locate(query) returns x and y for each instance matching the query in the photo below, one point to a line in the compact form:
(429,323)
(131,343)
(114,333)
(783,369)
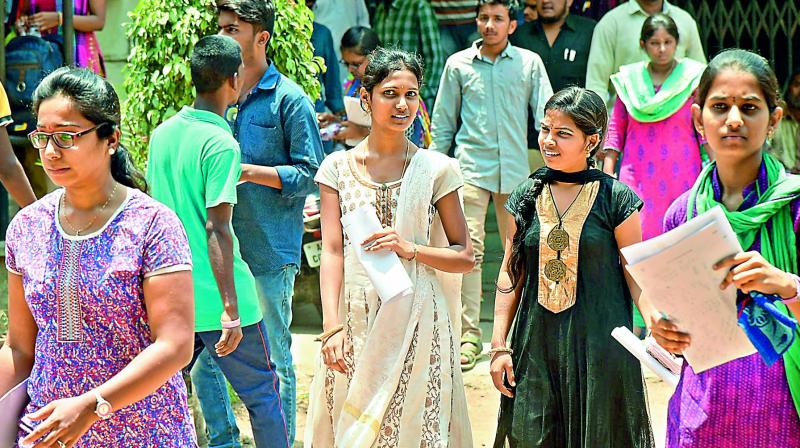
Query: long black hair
(96,100)
(588,111)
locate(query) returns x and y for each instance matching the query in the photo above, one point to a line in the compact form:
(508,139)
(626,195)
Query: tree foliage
(162,34)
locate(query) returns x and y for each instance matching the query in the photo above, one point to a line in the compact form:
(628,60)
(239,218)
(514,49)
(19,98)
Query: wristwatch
(103,408)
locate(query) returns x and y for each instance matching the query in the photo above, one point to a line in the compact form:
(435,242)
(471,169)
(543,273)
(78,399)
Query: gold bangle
(325,335)
(501,350)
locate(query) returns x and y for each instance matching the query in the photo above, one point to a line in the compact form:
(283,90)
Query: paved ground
(483,399)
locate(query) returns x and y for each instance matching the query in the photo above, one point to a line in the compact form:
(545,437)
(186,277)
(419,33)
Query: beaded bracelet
(324,336)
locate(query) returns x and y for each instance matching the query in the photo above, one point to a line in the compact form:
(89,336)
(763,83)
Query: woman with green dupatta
(745,402)
(651,140)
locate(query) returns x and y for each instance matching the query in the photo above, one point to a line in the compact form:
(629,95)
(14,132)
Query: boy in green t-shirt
(194,165)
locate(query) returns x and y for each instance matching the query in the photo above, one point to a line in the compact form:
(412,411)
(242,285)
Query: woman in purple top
(743,403)
(100,286)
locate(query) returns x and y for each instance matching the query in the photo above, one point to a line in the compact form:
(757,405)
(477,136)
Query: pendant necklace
(558,240)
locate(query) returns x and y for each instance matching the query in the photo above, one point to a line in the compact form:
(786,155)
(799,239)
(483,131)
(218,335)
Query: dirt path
(482,398)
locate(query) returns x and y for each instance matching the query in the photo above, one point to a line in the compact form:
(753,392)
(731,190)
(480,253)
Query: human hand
(326,118)
(230,337)
(750,271)
(667,334)
(351,131)
(63,422)
(501,368)
(44,20)
(333,353)
(388,238)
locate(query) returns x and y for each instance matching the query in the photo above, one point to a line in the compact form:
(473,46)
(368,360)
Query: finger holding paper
(389,239)
(750,271)
(668,335)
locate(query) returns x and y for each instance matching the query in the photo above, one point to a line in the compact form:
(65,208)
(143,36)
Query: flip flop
(470,349)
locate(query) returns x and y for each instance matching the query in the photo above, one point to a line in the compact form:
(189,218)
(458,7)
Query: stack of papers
(384,268)
(675,273)
(637,349)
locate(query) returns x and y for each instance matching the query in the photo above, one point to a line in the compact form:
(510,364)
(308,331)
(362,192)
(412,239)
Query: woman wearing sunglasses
(99,285)
(357,44)
(565,381)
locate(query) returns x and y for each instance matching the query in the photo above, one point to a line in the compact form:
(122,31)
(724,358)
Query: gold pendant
(555,270)
(558,239)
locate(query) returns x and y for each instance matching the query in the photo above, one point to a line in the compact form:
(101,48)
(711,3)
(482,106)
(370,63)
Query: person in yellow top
(12,176)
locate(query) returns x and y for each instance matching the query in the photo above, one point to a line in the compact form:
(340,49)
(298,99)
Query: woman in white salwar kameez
(388,373)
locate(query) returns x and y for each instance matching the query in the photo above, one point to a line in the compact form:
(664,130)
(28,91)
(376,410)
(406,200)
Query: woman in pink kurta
(651,132)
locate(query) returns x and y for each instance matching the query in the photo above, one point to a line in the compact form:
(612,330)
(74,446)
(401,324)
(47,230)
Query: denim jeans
(252,376)
(275,291)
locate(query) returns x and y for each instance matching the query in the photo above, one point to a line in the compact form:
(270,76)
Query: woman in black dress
(565,381)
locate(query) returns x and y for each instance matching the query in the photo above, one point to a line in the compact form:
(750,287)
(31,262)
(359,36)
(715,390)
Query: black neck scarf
(548,175)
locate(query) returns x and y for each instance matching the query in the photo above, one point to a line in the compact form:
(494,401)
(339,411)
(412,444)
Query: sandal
(471,350)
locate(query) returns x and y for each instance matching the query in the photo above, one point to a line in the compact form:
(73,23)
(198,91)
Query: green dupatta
(778,245)
(635,89)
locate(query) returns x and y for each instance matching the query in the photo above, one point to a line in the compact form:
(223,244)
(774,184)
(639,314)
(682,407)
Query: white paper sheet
(355,114)
(384,268)
(11,406)
(637,349)
(675,272)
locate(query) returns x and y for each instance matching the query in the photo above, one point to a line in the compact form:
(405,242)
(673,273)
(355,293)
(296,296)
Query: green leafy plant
(162,34)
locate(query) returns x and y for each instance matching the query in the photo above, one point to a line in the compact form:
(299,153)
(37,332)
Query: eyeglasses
(62,139)
(350,64)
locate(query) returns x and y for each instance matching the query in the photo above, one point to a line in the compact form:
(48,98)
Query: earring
(770,133)
(111,151)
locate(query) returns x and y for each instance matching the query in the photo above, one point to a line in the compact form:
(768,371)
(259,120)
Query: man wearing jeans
(276,127)
(194,165)
(489,88)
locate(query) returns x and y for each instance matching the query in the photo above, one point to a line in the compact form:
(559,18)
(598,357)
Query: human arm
(601,62)
(300,130)
(169,301)
(615,142)
(331,275)
(362,14)
(541,92)
(694,47)
(94,21)
(446,110)
(12,175)
(351,131)
(334,96)
(457,257)
(18,352)
(506,302)
(626,234)
(220,255)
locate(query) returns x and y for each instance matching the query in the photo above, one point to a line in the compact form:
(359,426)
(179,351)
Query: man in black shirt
(562,41)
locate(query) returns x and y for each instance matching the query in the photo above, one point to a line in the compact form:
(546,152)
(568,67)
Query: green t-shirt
(194,164)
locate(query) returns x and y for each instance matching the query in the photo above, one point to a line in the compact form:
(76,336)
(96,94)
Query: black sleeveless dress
(576,386)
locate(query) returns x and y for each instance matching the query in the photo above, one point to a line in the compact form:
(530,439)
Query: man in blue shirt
(276,127)
(332,96)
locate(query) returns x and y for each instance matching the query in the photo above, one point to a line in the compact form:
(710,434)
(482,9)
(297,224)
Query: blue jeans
(252,376)
(275,291)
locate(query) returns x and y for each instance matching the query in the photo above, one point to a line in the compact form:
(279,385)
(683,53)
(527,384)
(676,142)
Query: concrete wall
(113,41)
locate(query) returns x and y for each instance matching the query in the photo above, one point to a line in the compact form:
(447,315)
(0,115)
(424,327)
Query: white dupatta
(398,334)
